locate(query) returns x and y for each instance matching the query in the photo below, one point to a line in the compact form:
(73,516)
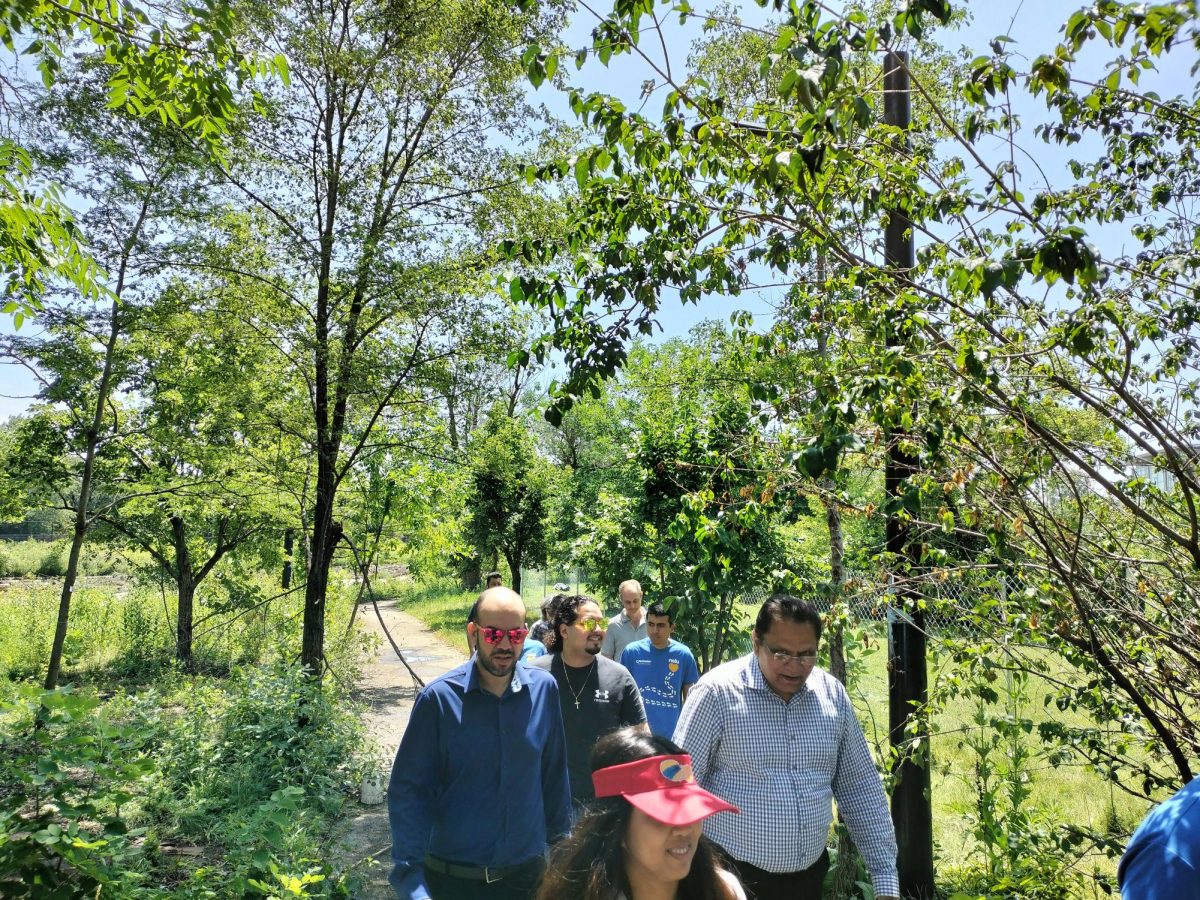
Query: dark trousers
(763,885)
(519,886)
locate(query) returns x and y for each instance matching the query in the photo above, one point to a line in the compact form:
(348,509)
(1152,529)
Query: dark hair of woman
(590,864)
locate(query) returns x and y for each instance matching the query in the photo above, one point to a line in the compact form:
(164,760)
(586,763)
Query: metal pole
(907,679)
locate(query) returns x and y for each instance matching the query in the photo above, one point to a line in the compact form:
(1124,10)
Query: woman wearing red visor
(641,838)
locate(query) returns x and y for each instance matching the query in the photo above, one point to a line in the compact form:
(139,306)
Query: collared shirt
(621,633)
(461,788)
(782,763)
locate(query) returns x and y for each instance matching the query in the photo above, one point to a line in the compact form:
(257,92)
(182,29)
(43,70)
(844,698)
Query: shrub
(275,728)
(53,563)
(67,772)
(255,770)
(20,559)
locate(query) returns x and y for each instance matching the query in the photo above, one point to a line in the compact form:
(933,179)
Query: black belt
(489,874)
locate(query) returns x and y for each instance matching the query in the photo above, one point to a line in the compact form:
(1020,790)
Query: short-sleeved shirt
(532,650)
(620,634)
(595,700)
(661,676)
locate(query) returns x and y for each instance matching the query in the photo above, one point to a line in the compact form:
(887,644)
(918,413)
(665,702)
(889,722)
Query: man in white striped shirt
(777,736)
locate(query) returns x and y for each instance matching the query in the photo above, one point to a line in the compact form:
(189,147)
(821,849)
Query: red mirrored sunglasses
(496,635)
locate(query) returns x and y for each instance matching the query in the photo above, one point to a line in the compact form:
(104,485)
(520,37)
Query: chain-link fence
(18,532)
(966,605)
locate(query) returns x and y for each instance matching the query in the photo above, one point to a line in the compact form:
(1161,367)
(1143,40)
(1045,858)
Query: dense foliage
(299,368)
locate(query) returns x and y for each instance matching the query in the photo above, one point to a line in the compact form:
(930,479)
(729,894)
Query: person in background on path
(776,735)
(467,820)
(628,625)
(532,650)
(543,626)
(663,669)
(595,694)
(642,837)
(1162,861)
(491,580)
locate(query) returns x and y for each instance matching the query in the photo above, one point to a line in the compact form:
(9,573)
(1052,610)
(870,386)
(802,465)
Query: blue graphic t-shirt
(661,676)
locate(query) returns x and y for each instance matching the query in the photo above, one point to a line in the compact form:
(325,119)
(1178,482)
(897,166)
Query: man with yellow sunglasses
(596,694)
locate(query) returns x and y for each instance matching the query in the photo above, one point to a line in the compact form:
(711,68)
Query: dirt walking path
(388,689)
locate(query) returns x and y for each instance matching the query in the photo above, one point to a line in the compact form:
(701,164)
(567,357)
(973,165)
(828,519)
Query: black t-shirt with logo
(595,700)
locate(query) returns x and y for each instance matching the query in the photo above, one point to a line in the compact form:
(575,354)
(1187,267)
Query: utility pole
(908,687)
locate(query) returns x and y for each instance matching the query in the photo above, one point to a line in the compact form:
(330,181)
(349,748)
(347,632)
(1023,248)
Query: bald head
(495,616)
(498,601)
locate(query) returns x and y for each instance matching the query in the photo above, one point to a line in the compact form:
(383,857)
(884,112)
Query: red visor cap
(662,787)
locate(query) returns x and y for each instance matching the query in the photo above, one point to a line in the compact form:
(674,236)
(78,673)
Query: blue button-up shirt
(461,788)
(781,763)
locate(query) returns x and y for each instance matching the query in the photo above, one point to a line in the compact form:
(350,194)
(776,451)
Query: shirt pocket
(814,744)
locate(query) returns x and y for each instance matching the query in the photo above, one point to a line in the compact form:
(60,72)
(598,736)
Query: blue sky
(1033,25)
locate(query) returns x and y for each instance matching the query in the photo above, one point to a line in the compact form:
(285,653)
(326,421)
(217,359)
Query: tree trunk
(514,571)
(79,532)
(64,602)
(837,581)
(325,535)
(185,589)
(846,862)
(452,418)
(289,543)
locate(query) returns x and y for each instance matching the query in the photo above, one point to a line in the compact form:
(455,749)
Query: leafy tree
(685,512)
(374,173)
(199,457)
(133,179)
(982,360)
(176,64)
(511,494)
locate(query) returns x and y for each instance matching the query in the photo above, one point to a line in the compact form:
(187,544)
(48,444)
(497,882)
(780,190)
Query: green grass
(128,633)
(248,761)
(1069,793)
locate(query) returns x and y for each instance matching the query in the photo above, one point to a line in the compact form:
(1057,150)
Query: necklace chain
(576,693)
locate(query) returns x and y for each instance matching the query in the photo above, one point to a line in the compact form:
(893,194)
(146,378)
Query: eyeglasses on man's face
(496,635)
(804,657)
(592,624)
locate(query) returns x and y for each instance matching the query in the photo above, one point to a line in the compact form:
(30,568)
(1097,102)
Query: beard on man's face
(496,666)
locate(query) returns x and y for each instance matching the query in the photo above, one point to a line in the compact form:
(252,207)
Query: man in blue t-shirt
(664,669)
(1162,862)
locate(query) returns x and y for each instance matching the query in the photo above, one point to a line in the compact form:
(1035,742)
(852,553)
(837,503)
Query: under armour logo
(601,694)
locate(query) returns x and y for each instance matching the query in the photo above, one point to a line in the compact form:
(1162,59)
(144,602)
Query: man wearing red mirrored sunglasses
(468,821)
